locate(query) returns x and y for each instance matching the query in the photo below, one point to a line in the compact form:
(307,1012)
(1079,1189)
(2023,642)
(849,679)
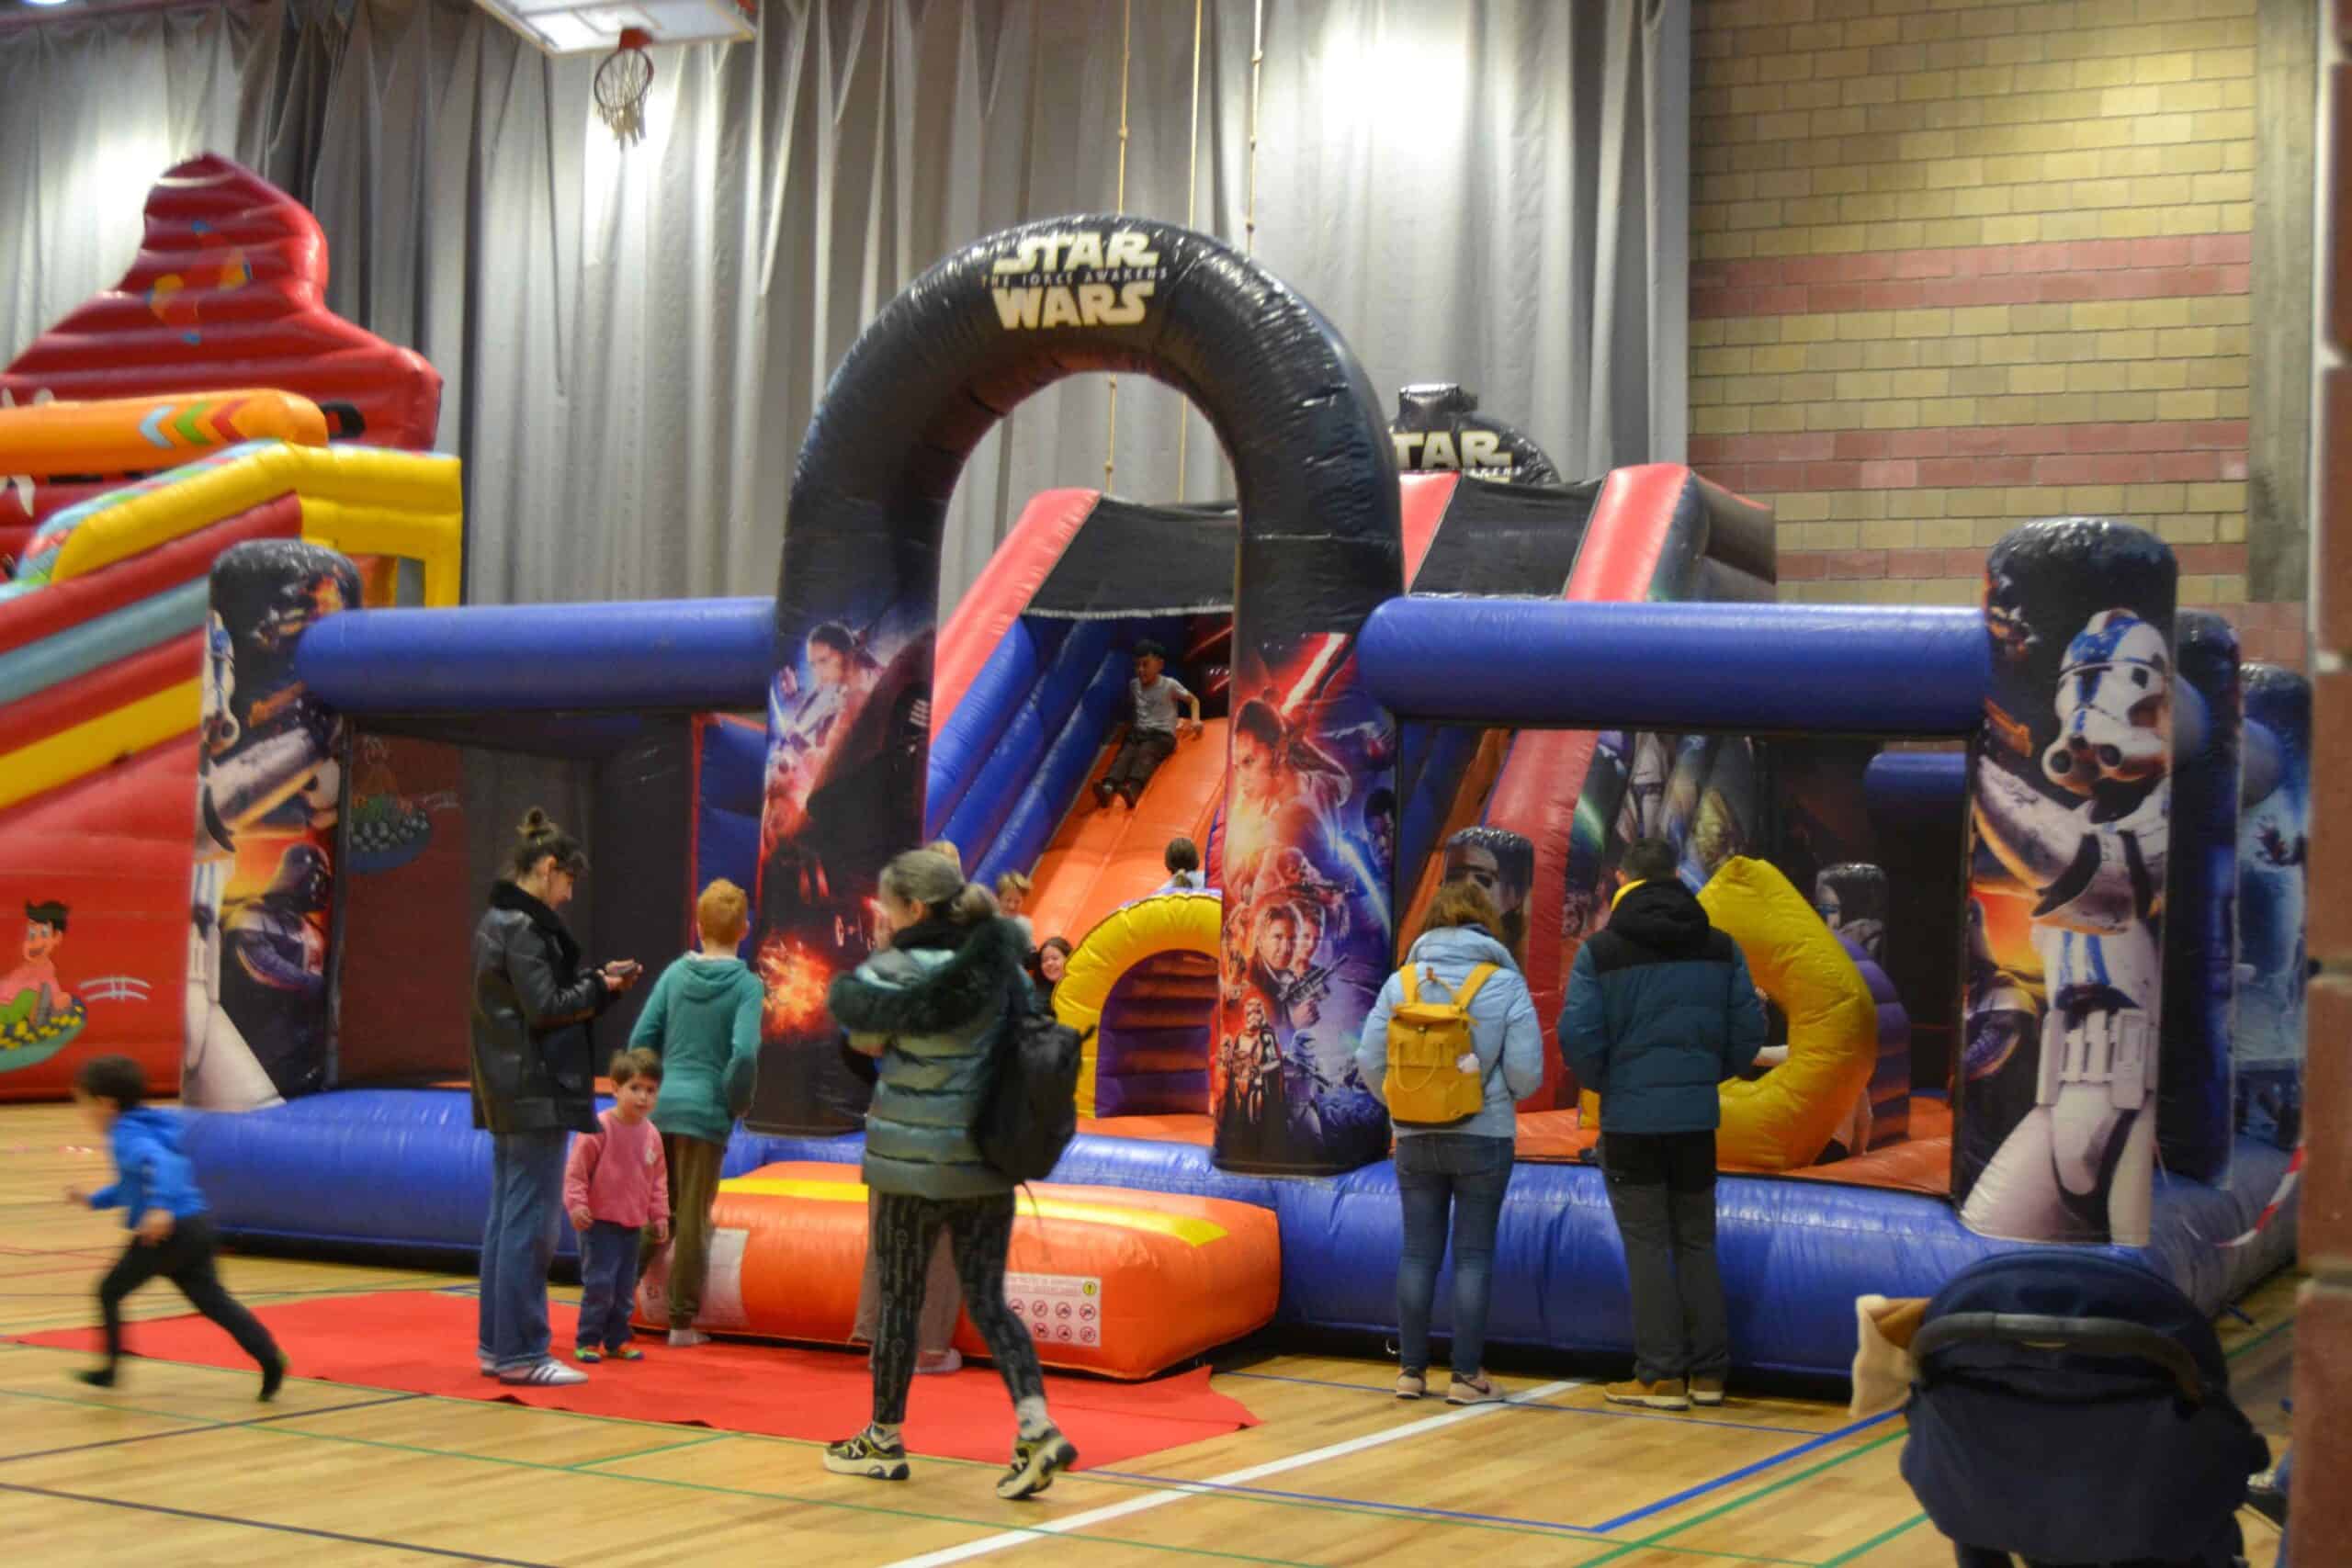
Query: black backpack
(1029,1113)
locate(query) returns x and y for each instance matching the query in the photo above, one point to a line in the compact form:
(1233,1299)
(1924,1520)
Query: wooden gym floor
(179,1464)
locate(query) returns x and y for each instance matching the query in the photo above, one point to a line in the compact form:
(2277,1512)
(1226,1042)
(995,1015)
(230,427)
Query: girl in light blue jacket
(1457,1172)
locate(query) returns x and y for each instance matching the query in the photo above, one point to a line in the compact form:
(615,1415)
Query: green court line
(1875,1541)
(2268,1334)
(1654,1540)
(1562,1533)
(643,1453)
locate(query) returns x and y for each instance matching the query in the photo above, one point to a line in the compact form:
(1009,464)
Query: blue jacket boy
(149,1171)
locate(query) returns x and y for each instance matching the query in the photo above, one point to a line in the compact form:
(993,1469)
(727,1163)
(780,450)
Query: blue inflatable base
(404,1169)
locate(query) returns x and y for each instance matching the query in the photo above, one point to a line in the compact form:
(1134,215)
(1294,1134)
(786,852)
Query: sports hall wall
(1955,264)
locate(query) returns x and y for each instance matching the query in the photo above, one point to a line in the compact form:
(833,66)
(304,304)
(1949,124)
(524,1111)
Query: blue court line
(1556,1409)
(1734,1477)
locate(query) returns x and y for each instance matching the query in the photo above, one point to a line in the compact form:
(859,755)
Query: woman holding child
(934,1008)
(534,1085)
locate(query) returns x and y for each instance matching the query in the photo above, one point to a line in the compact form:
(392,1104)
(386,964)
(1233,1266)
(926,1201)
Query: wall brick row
(2215,480)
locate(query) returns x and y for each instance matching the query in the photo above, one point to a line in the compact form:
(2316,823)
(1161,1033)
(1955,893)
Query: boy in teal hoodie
(171,1234)
(704,1020)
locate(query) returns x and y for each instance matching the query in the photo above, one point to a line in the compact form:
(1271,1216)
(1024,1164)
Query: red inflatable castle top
(228,291)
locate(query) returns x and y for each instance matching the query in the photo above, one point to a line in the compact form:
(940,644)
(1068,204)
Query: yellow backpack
(1425,1085)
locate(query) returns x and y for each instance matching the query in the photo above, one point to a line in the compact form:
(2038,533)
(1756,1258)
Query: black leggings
(184,1257)
(980,1232)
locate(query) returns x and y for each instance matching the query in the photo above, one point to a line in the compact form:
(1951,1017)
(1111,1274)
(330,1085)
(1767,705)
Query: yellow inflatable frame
(1164,922)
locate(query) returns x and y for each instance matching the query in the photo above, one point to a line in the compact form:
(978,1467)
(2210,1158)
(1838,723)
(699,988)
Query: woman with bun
(533,1086)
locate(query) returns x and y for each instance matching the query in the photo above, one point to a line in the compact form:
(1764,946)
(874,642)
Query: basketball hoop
(622,82)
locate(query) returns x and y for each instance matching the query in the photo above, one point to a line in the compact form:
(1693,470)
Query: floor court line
(1177,1491)
(1732,1477)
(1614,1414)
(200,1426)
(337,1536)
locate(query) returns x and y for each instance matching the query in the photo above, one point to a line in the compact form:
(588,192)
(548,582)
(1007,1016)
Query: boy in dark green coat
(1660,1011)
(703,1019)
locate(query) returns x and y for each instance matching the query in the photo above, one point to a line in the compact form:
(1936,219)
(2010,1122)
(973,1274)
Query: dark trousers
(1442,1178)
(1138,758)
(979,1231)
(184,1257)
(693,1186)
(607,1284)
(1662,1189)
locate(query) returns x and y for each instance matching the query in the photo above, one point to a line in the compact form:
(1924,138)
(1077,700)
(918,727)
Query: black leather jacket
(534,1059)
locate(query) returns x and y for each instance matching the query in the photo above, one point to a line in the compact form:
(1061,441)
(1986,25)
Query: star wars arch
(1320,548)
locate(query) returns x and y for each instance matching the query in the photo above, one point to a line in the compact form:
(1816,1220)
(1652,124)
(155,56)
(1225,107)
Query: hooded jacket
(149,1172)
(937,1001)
(1660,1011)
(533,1061)
(704,1019)
(1503,1027)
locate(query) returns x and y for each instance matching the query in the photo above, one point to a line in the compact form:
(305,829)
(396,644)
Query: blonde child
(704,1019)
(614,1186)
(1012,892)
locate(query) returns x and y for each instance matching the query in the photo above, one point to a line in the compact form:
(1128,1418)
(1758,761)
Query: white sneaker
(545,1374)
(489,1366)
(685,1339)
(948,1360)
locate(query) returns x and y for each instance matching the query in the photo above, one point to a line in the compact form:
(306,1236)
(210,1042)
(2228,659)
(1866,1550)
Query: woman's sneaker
(544,1374)
(869,1457)
(1034,1461)
(1473,1389)
(1411,1386)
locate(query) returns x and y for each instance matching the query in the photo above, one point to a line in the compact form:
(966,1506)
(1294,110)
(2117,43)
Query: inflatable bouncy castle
(1922,826)
(207,399)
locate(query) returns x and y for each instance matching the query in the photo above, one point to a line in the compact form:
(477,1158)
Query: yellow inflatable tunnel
(1784,1120)
(1144,982)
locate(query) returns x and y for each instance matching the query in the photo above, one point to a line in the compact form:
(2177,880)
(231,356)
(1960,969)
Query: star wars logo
(1079,277)
(1479,452)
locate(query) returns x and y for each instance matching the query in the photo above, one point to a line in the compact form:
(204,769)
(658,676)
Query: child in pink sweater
(615,1185)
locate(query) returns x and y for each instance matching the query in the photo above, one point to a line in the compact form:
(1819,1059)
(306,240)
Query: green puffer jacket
(936,1002)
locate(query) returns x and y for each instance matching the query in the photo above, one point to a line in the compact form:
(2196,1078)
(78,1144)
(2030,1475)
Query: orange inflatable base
(1124,1283)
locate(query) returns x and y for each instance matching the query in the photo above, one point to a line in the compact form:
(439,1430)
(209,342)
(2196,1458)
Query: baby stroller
(2074,1409)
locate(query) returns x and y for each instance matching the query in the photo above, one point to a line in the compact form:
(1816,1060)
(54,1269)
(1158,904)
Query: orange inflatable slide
(1093,1269)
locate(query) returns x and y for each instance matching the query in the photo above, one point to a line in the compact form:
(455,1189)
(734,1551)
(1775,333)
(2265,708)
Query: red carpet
(423,1342)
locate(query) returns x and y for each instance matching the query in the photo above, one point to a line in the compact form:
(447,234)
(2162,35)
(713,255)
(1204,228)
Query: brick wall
(1957,264)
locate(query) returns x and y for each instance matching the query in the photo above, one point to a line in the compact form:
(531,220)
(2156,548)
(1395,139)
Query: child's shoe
(948,1360)
(96,1377)
(1104,790)
(868,1456)
(1035,1461)
(687,1338)
(1131,794)
(273,1377)
(626,1353)
(588,1353)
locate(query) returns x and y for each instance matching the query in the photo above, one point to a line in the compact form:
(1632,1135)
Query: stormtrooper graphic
(2079,1166)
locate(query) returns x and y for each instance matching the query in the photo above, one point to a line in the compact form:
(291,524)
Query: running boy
(171,1234)
(1152,727)
(614,1186)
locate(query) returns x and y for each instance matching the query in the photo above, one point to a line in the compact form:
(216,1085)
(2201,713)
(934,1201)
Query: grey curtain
(1493,193)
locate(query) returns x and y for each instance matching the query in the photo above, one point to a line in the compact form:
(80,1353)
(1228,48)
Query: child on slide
(1152,725)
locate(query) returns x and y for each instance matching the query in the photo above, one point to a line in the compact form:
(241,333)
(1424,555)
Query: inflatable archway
(1134,987)
(1320,547)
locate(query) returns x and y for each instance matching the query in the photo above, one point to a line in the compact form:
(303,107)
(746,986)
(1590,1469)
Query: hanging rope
(1126,34)
(1192,197)
(1257,59)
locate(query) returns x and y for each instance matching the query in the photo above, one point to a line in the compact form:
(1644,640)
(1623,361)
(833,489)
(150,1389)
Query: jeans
(517,1245)
(607,1284)
(1662,1188)
(184,1257)
(1138,758)
(693,1186)
(1463,1175)
(980,1231)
